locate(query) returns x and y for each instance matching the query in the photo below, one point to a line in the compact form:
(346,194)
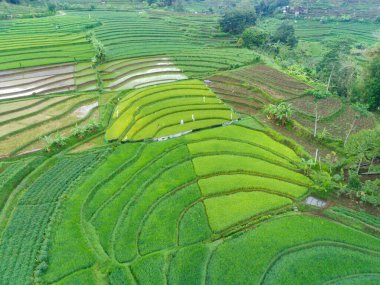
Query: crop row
(11,174)
(25,232)
(154,110)
(30,136)
(355,215)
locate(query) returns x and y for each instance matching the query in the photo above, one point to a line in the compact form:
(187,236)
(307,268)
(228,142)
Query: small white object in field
(315,202)
(117,113)
(182,122)
(193,117)
(204,99)
(83,111)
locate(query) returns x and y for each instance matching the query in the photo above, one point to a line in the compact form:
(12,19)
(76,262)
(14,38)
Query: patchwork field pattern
(167,109)
(177,185)
(276,83)
(119,215)
(238,92)
(24,122)
(18,83)
(43,41)
(34,214)
(137,73)
(137,34)
(208,61)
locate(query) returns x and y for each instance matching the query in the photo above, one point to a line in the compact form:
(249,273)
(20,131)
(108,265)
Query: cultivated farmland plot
(178,183)
(16,83)
(166,109)
(150,201)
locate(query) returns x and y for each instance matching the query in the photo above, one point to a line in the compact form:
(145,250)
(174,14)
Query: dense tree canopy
(372,84)
(236,21)
(285,34)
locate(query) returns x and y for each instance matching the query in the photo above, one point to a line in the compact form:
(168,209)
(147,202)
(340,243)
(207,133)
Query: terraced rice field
(167,109)
(178,188)
(18,83)
(277,84)
(321,32)
(358,9)
(24,122)
(43,41)
(208,61)
(237,92)
(137,34)
(219,184)
(137,73)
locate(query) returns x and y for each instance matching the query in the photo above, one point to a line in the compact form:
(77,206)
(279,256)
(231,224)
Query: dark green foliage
(268,7)
(336,69)
(236,21)
(368,192)
(285,34)
(363,146)
(254,37)
(318,94)
(371,90)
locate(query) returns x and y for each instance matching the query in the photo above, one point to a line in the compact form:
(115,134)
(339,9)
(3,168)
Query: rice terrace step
(189,142)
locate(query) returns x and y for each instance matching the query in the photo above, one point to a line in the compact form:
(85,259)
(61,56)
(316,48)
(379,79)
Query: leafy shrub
(253,37)
(56,141)
(281,112)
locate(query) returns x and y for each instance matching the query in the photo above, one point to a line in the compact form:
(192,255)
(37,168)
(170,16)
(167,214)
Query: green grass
(150,269)
(291,268)
(165,221)
(215,146)
(191,261)
(193,225)
(245,258)
(228,210)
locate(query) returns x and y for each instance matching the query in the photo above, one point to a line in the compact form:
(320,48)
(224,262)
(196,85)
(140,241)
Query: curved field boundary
(199,124)
(314,244)
(46,79)
(19,148)
(254,144)
(127,207)
(185,113)
(136,101)
(30,111)
(40,206)
(19,105)
(125,184)
(70,110)
(353,276)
